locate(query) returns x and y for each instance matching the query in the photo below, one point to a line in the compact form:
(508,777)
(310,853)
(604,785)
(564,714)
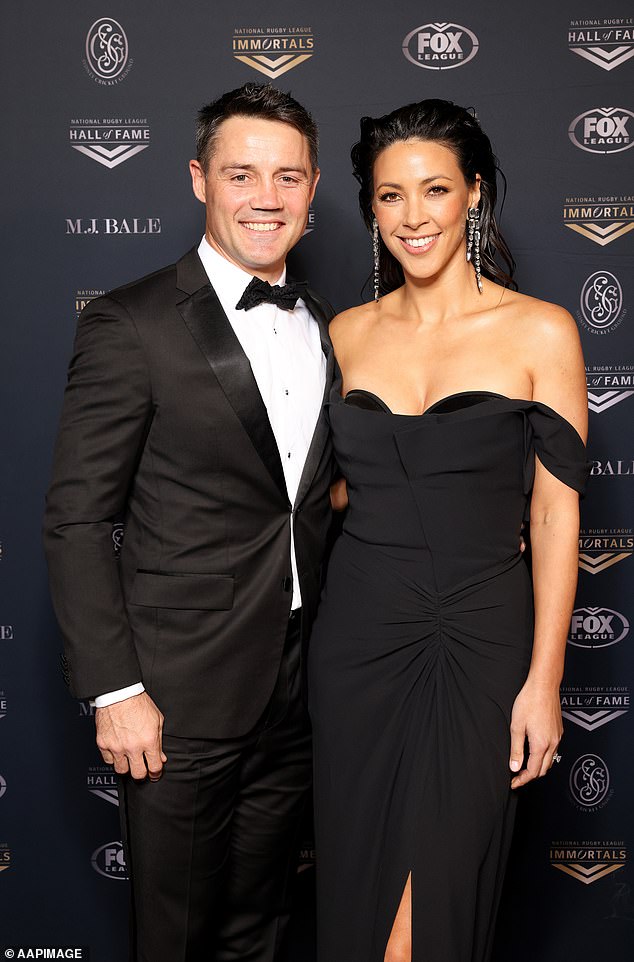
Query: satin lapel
(210,328)
(322,312)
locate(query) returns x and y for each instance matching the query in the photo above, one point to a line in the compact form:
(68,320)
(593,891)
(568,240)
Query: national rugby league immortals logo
(593,707)
(102,782)
(602,130)
(440,46)
(600,219)
(109,141)
(597,627)
(107,58)
(273,50)
(601,303)
(5,857)
(607,42)
(83,297)
(600,548)
(588,862)
(608,384)
(109,860)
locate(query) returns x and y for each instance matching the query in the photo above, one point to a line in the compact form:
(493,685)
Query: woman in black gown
(436,657)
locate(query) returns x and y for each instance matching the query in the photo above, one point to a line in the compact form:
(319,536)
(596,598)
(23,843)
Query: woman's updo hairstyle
(454,127)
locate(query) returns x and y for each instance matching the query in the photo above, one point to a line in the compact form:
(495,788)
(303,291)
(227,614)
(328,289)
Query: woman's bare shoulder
(540,323)
(351,324)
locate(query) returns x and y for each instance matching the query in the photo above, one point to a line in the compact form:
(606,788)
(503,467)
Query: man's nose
(266,196)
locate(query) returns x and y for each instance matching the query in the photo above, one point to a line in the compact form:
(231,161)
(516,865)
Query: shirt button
(287,583)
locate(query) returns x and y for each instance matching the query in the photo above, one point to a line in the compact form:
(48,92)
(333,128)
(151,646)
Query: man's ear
(313,186)
(198,180)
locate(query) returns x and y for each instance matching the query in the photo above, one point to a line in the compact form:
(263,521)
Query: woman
(463,405)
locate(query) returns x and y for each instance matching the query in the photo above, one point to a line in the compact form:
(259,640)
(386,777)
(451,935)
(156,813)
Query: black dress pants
(210,847)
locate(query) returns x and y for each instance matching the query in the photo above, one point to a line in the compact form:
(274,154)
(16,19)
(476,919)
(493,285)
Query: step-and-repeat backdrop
(98,128)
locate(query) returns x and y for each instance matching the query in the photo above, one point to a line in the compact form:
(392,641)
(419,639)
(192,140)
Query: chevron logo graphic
(595,565)
(274,68)
(605,58)
(591,720)
(601,402)
(586,873)
(108,794)
(110,157)
(601,235)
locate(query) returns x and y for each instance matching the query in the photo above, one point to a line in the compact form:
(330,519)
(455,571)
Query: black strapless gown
(422,641)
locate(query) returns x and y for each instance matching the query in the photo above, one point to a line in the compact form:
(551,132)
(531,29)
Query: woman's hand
(536,717)
(339,495)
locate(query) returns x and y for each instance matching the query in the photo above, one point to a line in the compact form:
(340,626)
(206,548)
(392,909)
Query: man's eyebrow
(252,167)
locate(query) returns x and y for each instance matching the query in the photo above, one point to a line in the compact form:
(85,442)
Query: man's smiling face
(257,191)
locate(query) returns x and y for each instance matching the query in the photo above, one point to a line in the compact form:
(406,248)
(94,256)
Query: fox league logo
(109,861)
(602,130)
(597,628)
(440,46)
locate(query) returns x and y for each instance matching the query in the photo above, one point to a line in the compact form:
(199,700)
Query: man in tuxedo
(194,410)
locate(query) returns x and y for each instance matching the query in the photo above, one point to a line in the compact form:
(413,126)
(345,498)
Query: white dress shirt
(289,367)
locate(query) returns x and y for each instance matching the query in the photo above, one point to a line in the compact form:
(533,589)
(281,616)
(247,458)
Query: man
(195,411)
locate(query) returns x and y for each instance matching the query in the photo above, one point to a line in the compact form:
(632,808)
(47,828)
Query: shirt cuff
(112,697)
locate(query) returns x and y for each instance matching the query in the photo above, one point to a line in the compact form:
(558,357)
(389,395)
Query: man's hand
(129,735)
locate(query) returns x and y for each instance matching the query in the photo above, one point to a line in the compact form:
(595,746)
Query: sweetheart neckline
(449,397)
(429,410)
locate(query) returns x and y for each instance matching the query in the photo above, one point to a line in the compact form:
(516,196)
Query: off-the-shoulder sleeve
(557,445)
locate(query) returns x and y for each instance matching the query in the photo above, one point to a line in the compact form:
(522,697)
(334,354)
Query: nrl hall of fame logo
(3,704)
(440,46)
(102,782)
(597,627)
(109,141)
(607,42)
(608,384)
(601,548)
(109,860)
(601,303)
(593,707)
(107,58)
(589,783)
(602,130)
(84,297)
(588,861)
(599,219)
(273,50)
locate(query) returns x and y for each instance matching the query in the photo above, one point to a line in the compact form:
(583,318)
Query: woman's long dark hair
(454,127)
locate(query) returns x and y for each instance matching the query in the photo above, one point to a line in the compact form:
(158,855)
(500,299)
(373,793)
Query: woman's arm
(559,381)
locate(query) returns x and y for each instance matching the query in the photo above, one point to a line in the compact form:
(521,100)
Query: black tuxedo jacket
(163,425)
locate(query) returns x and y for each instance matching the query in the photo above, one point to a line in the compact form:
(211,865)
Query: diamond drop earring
(473,244)
(375,253)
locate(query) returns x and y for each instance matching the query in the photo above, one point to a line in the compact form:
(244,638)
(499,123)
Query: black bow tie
(258,292)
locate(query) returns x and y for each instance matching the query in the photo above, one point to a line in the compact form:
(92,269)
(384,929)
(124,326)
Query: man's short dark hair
(253,100)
